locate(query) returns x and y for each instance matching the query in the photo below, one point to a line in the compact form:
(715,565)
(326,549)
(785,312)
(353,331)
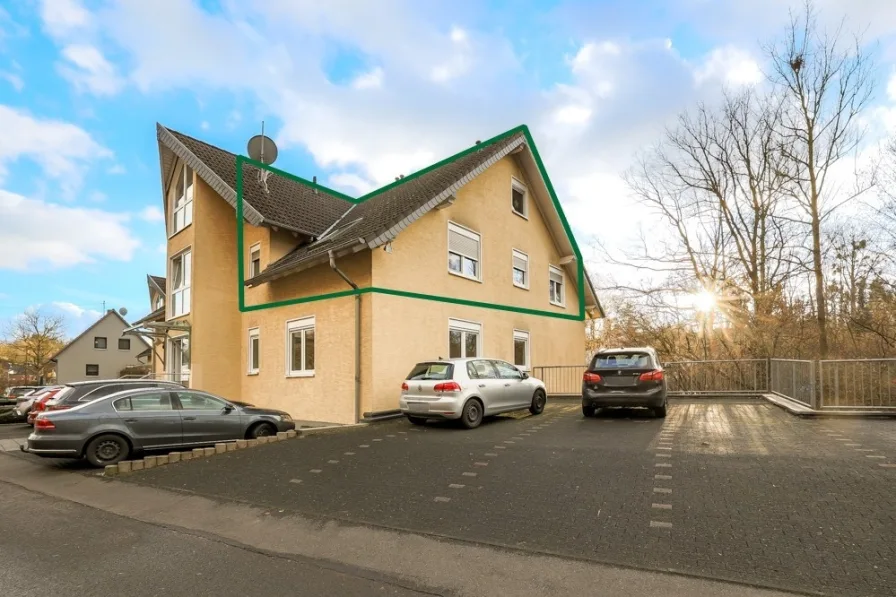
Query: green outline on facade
(240,160)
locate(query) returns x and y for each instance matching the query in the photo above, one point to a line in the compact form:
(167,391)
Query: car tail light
(651,376)
(404,385)
(592,377)
(450,386)
(43,423)
(58,407)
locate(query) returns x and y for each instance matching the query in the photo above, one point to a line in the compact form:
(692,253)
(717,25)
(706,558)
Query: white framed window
(519,198)
(520,269)
(254,260)
(182,212)
(253,356)
(521,349)
(464,252)
(180,275)
(557,287)
(464,339)
(160,302)
(300,347)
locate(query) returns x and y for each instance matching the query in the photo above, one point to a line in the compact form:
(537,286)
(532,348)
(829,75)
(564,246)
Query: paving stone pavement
(747,493)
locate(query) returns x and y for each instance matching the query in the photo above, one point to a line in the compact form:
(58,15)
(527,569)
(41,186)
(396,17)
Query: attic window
(518,199)
(182,214)
(254,260)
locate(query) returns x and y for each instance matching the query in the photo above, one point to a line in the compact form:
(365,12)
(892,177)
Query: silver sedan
(107,430)
(468,390)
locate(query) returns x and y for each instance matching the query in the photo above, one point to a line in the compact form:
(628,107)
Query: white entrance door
(179,360)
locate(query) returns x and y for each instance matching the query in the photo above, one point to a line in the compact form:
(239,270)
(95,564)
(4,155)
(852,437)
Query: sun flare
(705,301)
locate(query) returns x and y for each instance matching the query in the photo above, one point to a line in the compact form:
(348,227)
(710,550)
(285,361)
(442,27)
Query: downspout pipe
(357,334)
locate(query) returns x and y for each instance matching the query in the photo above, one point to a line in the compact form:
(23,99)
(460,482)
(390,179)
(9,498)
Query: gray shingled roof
(160,282)
(289,204)
(376,219)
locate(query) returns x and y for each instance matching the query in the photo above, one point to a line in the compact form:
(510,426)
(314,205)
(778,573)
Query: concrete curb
(129,466)
(801,410)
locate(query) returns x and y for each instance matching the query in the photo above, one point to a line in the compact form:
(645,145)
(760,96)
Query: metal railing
(858,384)
(832,384)
(181,378)
(724,377)
(561,380)
(793,379)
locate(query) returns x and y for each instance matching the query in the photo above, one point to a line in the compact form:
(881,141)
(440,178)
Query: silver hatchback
(468,390)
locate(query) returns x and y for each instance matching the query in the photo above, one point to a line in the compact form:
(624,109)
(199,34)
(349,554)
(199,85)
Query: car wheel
(588,411)
(416,420)
(472,414)
(107,449)
(538,402)
(660,412)
(262,430)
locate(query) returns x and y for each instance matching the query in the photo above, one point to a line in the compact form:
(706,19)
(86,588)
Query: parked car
(624,377)
(26,401)
(109,429)
(77,392)
(12,393)
(39,403)
(468,390)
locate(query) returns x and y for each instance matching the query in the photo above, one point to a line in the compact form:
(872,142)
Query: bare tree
(33,337)
(826,83)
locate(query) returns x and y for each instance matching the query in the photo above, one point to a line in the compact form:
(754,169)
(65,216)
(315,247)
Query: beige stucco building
(99,352)
(469,256)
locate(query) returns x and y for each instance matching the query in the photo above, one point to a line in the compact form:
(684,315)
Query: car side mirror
(525,375)
(228,408)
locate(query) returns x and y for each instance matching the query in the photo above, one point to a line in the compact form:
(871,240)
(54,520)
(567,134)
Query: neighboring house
(471,256)
(99,352)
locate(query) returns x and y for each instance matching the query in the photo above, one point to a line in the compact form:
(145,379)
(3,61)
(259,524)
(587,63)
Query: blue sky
(355,93)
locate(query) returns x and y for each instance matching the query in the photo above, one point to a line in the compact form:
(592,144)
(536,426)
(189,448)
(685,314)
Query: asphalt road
(732,490)
(74,550)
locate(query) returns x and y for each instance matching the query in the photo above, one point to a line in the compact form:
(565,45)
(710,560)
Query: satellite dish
(123,311)
(262,149)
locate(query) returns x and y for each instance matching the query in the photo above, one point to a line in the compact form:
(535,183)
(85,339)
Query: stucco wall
(329,394)
(71,364)
(419,258)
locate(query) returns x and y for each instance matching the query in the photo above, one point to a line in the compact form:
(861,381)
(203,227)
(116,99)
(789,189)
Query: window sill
(524,216)
(181,230)
(464,276)
(292,374)
(520,286)
(561,305)
(252,372)
(172,318)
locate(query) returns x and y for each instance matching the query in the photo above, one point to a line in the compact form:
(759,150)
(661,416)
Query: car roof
(627,349)
(104,382)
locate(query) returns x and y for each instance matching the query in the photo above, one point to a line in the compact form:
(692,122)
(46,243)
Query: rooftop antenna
(262,149)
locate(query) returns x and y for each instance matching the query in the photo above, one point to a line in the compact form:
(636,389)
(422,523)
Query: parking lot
(736,490)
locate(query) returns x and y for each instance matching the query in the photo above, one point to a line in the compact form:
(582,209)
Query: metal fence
(858,383)
(793,379)
(831,384)
(725,377)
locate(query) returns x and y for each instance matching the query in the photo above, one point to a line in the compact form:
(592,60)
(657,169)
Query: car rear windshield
(424,371)
(622,360)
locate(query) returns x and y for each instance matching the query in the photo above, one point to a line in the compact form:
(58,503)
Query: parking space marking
(390,435)
(887,465)
(661,506)
(403,432)
(866,450)
(500,447)
(664,456)
(480,464)
(664,447)
(468,474)
(663,477)
(661,525)
(315,470)
(456,486)
(295,480)
(349,453)
(377,439)
(661,490)
(507,441)
(442,499)
(852,445)
(874,456)
(332,462)
(364,446)
(490,454)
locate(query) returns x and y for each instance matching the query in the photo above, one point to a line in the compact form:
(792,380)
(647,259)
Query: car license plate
(418,406)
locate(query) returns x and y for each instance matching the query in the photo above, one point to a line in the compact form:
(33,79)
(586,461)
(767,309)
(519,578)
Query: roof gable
(73,341)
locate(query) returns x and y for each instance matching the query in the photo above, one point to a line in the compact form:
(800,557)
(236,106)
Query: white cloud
(63,150)
(116,169)
(62,18)
(162,248)
(88,70)
(75,310)
(891,87)
(369,80)
(350,184)
(97,196)
(729,65)
(13,79)
(151,213)
(68,236)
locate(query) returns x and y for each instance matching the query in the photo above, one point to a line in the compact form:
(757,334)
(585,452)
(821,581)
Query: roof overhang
(156,329)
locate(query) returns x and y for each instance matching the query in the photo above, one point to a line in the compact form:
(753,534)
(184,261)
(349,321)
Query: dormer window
(160,302)
(254,260)
(182,215)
